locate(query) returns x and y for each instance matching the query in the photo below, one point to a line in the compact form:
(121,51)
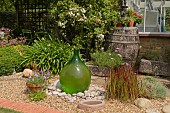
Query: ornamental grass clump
(123,84)
(153,88)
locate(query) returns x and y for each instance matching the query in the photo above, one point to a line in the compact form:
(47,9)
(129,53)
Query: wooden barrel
(127,39)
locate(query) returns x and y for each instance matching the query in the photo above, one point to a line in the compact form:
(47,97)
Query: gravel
(13,87)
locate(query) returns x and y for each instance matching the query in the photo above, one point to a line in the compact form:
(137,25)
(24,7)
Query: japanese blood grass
(123,84)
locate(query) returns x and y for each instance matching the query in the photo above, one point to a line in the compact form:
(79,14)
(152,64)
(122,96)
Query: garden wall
(155,48)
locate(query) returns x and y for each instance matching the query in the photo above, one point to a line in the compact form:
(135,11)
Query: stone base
(154,67)
(98,70)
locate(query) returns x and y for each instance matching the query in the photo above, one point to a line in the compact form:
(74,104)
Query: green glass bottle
(75,76)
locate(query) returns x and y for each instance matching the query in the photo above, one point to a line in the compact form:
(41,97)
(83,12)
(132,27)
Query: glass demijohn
(75,76)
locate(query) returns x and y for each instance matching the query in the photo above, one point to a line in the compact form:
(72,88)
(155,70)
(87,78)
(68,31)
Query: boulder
(166,109)
(154,67)
(143,103)
(98,70)
(28,72)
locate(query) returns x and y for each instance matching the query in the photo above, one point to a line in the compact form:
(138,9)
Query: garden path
(25,108)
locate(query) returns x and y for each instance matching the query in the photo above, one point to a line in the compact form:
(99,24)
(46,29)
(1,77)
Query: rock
(101,97)
(51,87)
(49,93)
(59,90)
(154,67)
(87,94)
(80,94)
(57,84)
(62,94)
(143,103)
(74,94)
(145,66)
(98,70)
(27,72)
(68,96)
(166,109)
(55,92)
(92,96)
(93,93)
(152,111)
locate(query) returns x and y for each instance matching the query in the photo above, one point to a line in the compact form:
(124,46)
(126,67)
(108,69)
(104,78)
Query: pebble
(152,111)
(93,92)
(55,92)
(59,90)
(80,94)
(51,87)
(62,94)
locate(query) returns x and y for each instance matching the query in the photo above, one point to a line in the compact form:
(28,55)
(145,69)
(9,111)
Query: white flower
(101,36)
(81,19)
(112,58)
(73,9)
(102,48)
(1,35)
(71,14)
(119,55)
(62,25)
(78,14)
(83,10)
(84,17)
(59,24)
(90,6)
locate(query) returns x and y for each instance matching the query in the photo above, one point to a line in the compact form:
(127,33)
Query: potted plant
(104,60)
(133,18)
(38,81)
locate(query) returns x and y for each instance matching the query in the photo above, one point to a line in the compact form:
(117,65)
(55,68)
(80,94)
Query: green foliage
(48,55)
(37,95)
(153,88)
(123,84)
(6,110)
(106,58)
(84,22)
(151,55)
(8,19)
(10,59)
(7,5)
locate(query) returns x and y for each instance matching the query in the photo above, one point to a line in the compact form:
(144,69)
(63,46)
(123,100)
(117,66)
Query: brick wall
(158,46)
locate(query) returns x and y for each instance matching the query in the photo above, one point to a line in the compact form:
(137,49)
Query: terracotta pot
(34,87)
(131,23)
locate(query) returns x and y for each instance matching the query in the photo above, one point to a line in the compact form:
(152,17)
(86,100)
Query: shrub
(84,23)
(48,55)
(106,58)
(10,59)
(123,84)
(153,88)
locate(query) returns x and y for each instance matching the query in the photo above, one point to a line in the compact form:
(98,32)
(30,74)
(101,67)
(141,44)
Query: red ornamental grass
(122,84)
